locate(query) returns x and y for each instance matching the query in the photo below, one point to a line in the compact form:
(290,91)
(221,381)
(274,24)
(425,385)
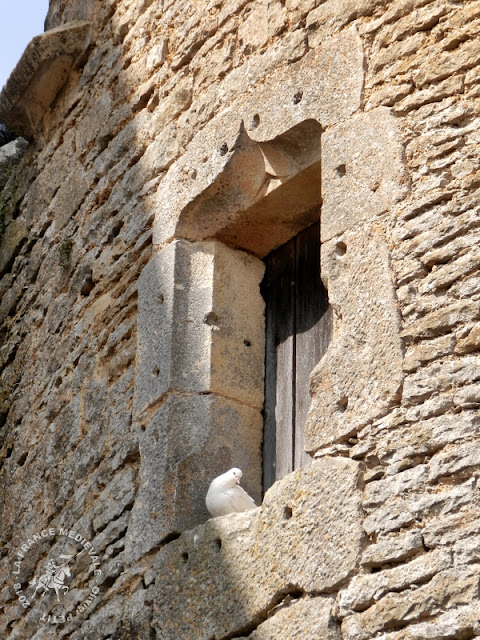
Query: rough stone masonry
(164,148)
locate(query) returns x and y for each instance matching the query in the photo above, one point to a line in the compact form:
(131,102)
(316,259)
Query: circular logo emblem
(70,555)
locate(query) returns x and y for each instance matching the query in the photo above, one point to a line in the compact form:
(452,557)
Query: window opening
(298,331)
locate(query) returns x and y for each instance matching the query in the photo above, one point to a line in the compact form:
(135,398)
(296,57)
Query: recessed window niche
(207,336)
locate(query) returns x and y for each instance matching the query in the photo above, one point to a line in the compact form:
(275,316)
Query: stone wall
(171,146)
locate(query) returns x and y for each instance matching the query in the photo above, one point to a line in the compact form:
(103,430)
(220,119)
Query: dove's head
(228,479)
(234,476)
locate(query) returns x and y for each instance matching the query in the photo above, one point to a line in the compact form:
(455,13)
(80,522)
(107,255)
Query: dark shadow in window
(298,331)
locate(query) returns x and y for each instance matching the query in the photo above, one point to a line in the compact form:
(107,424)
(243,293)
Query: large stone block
(399,512)
(363,173)
(200,325)
(365,589)
(360,376)
(456,623)
(157,290)
(70,196)
(307,537)
(13,238)
(237,326)
(189,441)
(302,619)
(449,589)
(393,549)
(10,155)
(397,445)
(437,377)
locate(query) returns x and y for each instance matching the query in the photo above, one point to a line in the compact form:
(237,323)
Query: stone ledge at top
(39,75)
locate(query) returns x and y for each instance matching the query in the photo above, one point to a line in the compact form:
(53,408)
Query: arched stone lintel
(266,193)
(324,86)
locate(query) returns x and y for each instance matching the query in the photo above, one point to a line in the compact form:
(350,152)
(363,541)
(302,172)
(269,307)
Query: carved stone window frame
(248,182)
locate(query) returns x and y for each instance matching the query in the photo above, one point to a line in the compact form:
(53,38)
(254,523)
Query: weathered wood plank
(299,328)
(269,422)
(285,408)
(279,289)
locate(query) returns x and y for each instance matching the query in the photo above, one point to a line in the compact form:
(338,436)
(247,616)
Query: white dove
(225,495)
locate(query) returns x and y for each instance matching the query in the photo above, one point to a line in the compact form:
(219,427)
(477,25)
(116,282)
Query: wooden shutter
(298,330)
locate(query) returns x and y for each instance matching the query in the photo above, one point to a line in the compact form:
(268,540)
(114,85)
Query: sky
(21,20)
